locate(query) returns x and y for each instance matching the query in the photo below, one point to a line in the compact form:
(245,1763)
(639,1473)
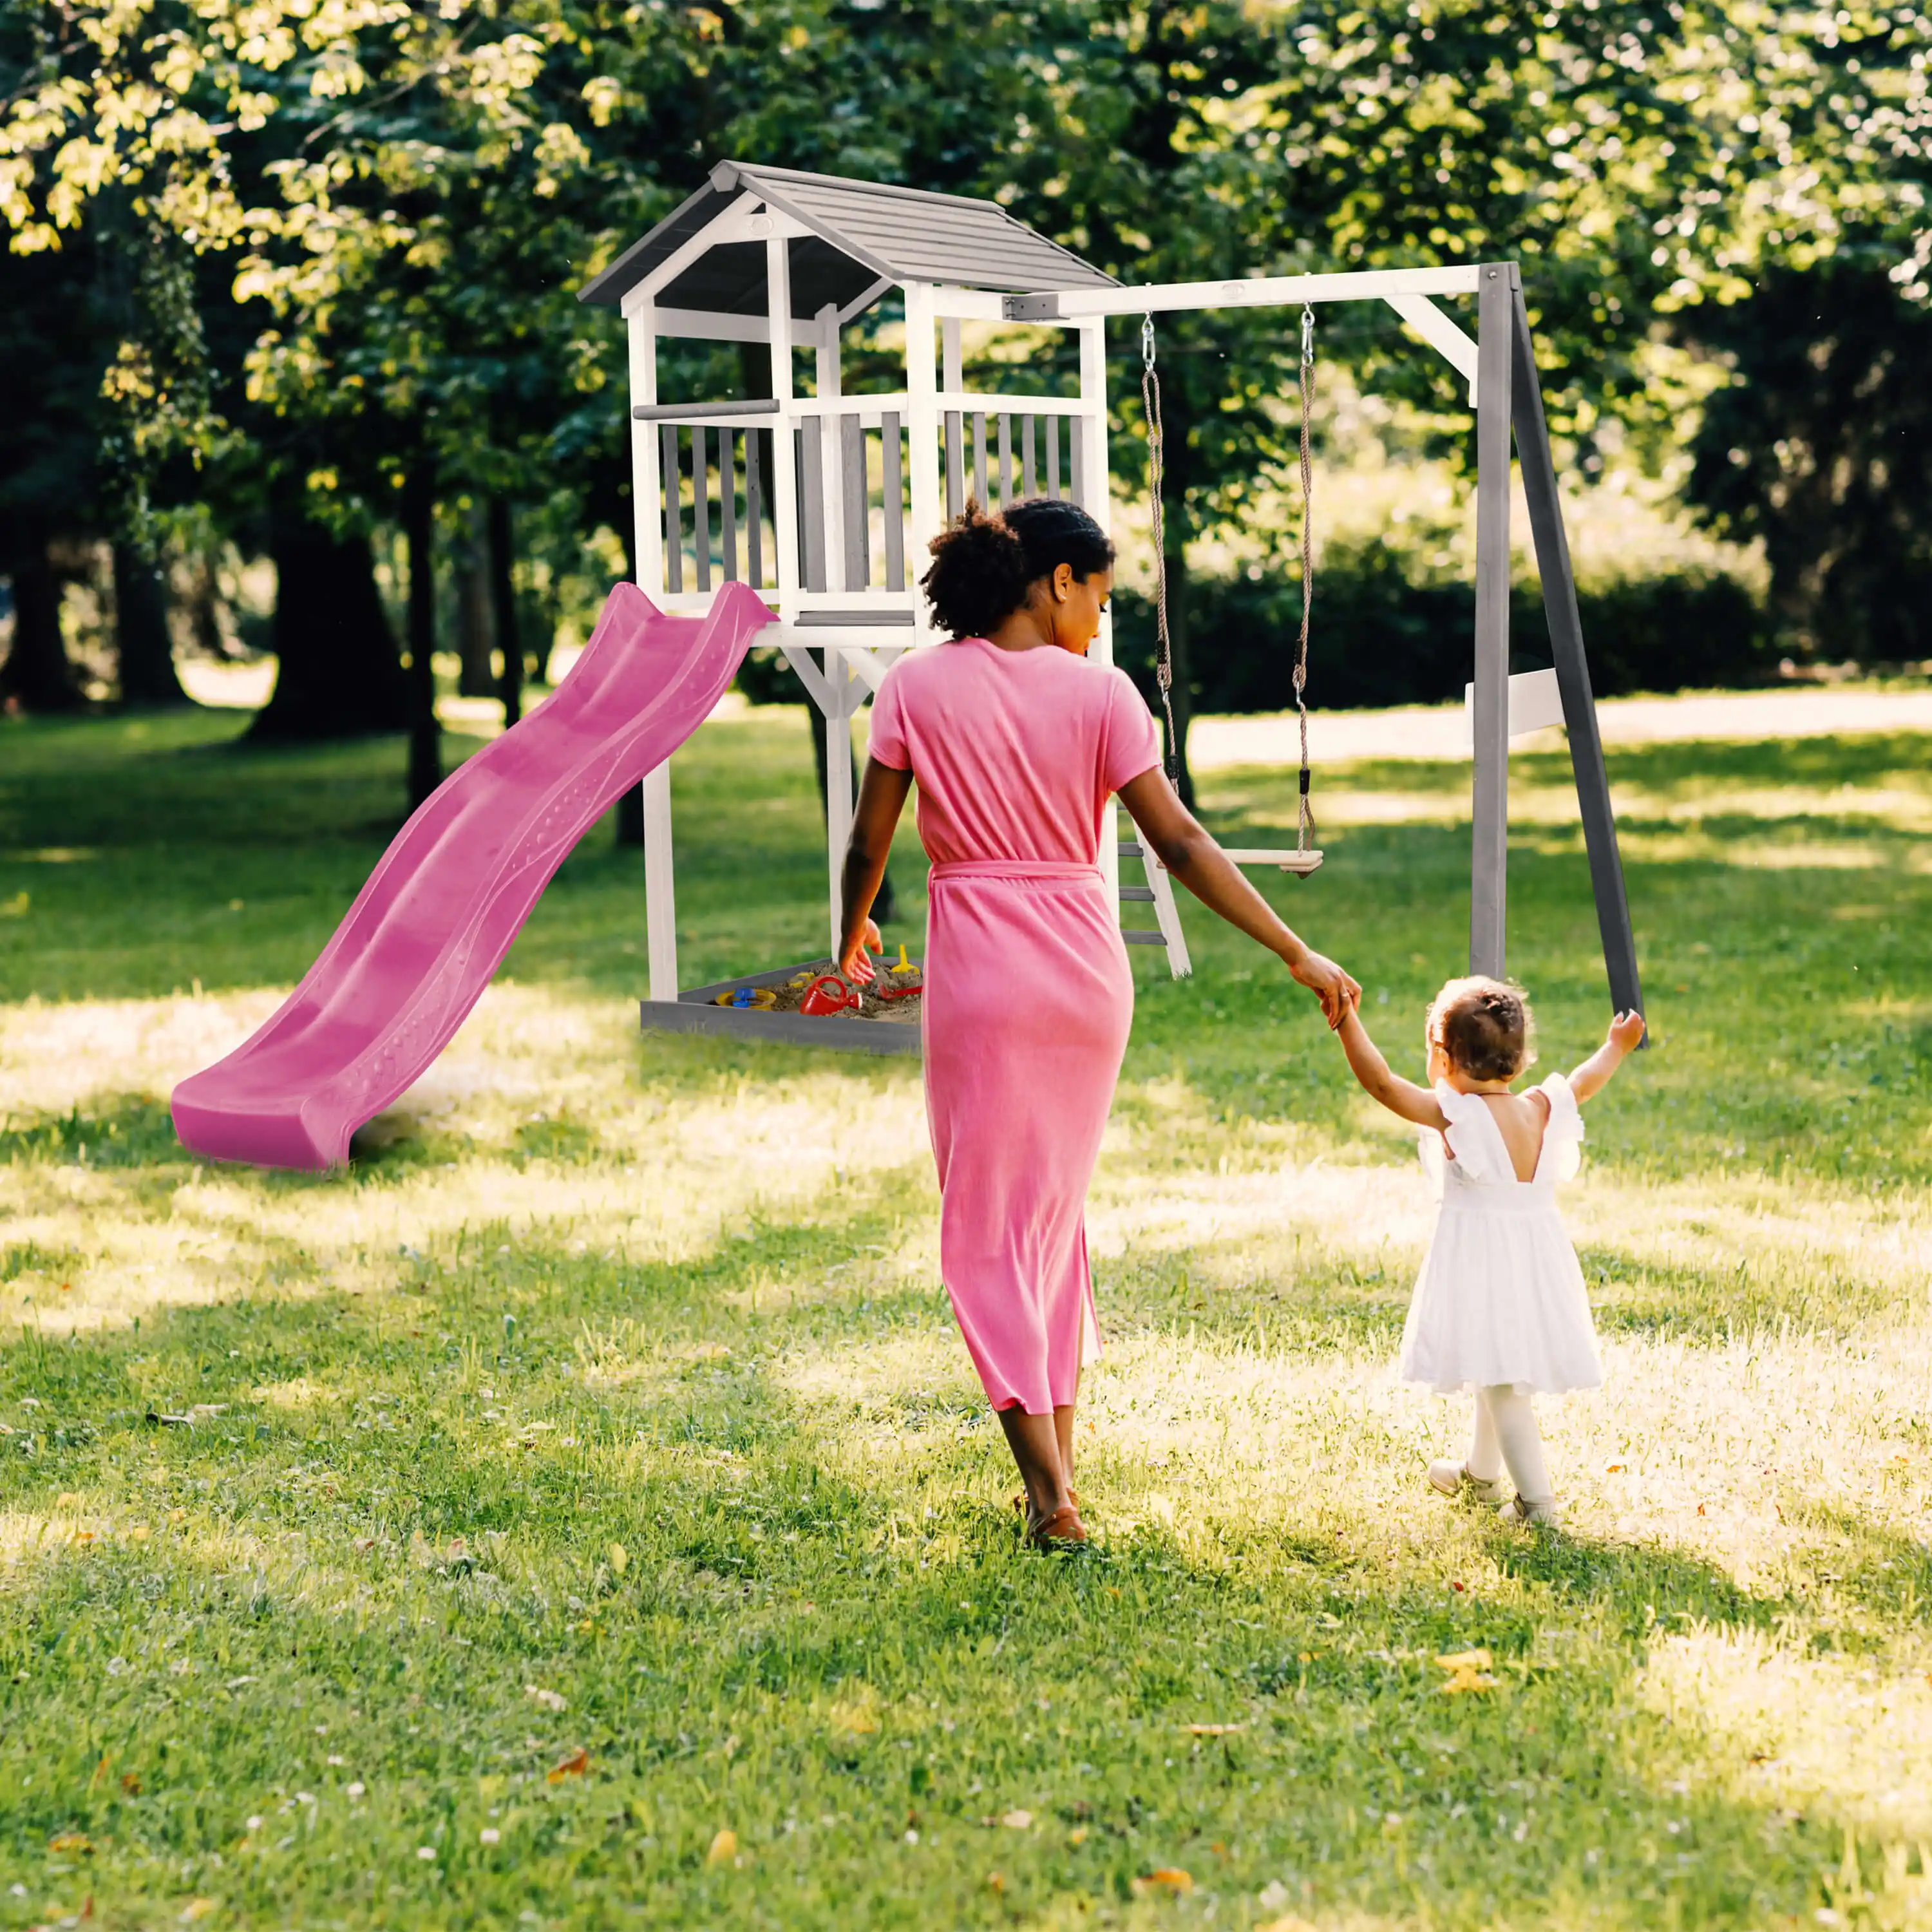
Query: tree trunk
(502,553)
(37,675)
(475,633)
(147,651)
(419,533)
(338,673)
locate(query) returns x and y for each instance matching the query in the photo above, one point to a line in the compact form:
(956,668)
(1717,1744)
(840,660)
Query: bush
(1383,635)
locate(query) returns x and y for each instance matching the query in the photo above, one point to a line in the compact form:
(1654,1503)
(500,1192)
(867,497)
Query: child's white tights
(1507,1435)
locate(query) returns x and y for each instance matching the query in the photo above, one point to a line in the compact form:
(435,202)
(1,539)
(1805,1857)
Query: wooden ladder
(1159,893)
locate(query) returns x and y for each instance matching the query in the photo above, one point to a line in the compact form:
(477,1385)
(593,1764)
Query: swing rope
(1163,656)
(1305,830)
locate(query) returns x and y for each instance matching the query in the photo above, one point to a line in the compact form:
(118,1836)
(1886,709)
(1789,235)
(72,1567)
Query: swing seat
(1301,862)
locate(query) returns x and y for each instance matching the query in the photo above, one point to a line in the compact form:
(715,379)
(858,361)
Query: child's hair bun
(1484,1026)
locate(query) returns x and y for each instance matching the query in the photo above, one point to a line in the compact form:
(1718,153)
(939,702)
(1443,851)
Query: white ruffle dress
(1501,1296)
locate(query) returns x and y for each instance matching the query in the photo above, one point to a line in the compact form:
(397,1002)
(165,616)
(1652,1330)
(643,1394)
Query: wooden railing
(851,459)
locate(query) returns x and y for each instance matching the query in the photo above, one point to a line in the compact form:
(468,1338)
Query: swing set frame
(1500,364)
(823,500)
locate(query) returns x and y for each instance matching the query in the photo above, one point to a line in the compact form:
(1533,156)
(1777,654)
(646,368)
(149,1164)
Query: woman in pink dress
(1016,742)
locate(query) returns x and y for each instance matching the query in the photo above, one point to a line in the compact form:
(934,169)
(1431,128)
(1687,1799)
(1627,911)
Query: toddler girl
(1500,1306)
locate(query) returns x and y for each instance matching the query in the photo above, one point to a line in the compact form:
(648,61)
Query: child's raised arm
(1594,1075)
(1400,1096)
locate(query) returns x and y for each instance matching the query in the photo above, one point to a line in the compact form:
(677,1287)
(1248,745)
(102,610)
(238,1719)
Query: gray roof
(862,233)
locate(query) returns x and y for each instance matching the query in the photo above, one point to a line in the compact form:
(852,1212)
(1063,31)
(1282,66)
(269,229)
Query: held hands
(1337,990)
(1626,1032)
(855,968)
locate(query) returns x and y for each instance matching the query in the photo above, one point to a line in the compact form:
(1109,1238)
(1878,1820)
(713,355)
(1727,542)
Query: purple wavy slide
(417,948)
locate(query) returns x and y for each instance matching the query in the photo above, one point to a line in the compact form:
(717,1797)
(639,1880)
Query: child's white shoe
(1452,1479)
(1544,1515)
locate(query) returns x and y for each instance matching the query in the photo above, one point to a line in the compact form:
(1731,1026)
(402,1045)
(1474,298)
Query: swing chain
(1305,831)
(1163,661)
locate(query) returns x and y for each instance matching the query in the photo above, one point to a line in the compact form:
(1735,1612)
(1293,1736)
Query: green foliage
(1388,630)
(1820,448)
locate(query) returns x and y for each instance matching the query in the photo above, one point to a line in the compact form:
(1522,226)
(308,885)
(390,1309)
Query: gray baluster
(893,495)
(673,519)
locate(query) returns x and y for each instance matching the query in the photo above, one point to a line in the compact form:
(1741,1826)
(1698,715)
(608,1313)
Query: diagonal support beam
(1573,669)
(1443,335)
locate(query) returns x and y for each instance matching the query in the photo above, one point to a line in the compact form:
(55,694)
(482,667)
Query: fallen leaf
(67,1499)
(196,1908)
(994,1883)
(1469,1670)
(574,1765)
(131,1784)
(1017,1821)
(1168,1878)
(1216,1730)
(101,1771)
(71,1841)
(551,1700)
(1616,1468)
(1077,1836)
(723,1848)
(619,1558)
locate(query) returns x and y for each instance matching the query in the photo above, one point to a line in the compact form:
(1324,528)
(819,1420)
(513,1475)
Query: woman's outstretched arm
(1180,843)
(882,797)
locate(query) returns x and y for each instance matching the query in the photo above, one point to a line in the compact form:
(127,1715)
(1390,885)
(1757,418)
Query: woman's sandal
(1062,1530)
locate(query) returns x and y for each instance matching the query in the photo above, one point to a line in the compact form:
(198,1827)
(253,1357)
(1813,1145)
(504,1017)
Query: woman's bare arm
(882,797)
(1398,1096)
(1179,841)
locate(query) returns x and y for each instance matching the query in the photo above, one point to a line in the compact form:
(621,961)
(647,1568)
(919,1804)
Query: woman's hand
(1336,990)
(855,966)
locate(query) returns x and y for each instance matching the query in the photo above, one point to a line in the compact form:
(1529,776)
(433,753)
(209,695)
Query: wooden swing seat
(1302,862)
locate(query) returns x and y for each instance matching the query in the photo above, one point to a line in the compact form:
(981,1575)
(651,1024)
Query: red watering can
(828,995)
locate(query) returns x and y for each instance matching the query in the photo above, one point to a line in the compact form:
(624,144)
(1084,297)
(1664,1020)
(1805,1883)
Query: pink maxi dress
(1028,995)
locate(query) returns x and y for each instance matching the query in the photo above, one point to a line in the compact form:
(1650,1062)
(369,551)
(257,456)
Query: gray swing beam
(1509,405)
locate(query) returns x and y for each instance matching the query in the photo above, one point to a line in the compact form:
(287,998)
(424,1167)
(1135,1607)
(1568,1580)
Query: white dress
(1501,1297)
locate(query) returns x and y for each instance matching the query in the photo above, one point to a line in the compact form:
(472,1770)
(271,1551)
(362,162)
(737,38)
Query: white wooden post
(845,689)
(646,507)
(660,896)
(923,444)
(955,378)
(647,473)
(832,482)
(1091,488)
(784,481)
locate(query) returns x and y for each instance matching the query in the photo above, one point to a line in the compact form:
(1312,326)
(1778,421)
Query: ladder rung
(1144,893)
(1129,850)
(1143,938)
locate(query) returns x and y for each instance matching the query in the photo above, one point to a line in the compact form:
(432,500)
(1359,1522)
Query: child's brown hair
(1484,1026)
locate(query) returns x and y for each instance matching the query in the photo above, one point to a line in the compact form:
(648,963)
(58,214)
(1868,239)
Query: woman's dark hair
(984,568)
(1484,1026)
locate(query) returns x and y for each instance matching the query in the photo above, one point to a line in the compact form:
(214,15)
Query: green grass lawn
(582,1512)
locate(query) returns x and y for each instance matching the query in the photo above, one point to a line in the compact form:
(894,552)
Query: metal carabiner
(1146,342)
(1307,336)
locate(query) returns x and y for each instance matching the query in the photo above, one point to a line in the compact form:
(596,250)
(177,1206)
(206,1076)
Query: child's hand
(1626,1032)
(855,966)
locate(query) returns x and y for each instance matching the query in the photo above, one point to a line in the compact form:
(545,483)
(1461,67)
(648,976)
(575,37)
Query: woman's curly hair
(1484,1026)
(984,567)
